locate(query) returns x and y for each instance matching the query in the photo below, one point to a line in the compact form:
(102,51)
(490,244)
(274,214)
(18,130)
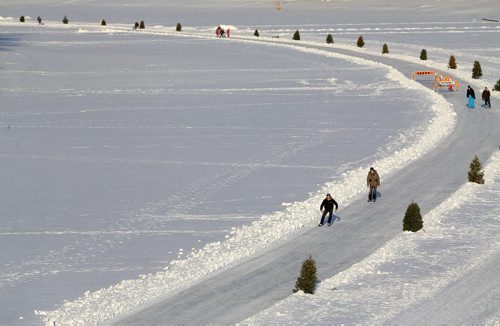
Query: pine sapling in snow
(65,20)
(296,35)
(21,19)
(307,280)
(476,70)
(497,86)
(256,33)
(452,63)
(423,54)
(413,219)
(476,173)
(329,39)
(103,22)
(360,42)
(385,49)
(178,27)
(142,25)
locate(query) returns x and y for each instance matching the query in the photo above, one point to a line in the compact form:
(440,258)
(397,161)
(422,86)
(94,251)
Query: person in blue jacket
(327,208)
(471,97)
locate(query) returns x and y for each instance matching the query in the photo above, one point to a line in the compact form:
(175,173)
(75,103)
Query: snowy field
(124,151)
(120,163)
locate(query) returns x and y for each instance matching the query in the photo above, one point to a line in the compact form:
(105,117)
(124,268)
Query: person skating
(327,204)
(471,97)
(486,97)
(372,181)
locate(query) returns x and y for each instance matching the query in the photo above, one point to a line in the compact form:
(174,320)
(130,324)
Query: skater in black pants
(486,98)
(327,204)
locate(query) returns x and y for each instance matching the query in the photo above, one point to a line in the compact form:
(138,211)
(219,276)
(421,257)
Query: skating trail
(256,284)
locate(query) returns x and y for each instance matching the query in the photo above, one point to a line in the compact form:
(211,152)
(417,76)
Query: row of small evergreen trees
(412,221)
(142,25)
(452,63)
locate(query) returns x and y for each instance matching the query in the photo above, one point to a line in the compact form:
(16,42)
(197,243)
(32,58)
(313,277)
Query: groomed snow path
(257,283)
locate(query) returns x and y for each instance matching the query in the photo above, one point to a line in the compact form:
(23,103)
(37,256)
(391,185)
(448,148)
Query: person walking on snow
(228,32)
(471,97)
(328,204)
(372,181)
(486,98)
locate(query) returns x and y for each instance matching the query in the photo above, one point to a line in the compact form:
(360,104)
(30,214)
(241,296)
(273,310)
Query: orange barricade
(423,73)
(439,80)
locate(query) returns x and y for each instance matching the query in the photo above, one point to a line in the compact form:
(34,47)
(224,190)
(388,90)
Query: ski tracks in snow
(203,188)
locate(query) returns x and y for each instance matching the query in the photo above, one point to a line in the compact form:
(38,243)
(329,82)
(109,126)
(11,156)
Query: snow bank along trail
(244,242)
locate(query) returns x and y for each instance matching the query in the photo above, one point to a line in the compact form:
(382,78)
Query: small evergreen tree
(256,33)
(413,219)
(296,35)
(178,27)
(360,42)
(385,48)
(329,39)
(452,63)
(475,171)
(476,70)
(497,86)
(423,54)
(142,25)
(21,19)
(307,280)
(65,20)
(103,22)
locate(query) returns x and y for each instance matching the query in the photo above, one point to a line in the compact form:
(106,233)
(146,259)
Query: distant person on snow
(471,97)
(486,97)
(372,181)
(39,19)
(218,30)
(136,26)
(327,204)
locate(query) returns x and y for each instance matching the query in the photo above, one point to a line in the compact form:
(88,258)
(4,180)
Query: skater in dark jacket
(486,97)
(372,181)
(471,97)
(327,204)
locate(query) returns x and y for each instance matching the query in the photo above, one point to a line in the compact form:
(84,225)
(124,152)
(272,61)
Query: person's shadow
(335,218)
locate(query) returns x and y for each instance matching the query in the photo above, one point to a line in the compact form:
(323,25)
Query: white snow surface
(99,306)
(62,141)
